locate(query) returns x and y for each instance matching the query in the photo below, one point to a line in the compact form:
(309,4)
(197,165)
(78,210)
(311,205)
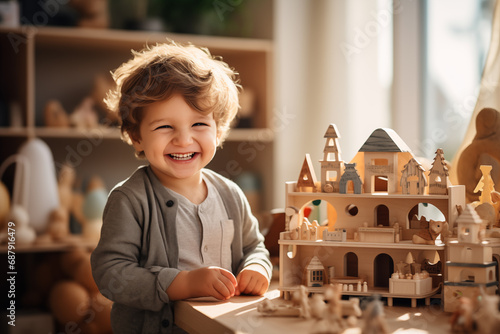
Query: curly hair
(158,72)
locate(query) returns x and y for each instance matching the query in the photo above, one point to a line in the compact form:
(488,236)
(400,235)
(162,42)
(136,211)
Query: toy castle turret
(332,166)
(470,269)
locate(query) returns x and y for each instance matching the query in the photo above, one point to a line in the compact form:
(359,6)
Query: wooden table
(239,315)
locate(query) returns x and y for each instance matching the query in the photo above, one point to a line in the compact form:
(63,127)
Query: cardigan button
(165,323)
(170,203)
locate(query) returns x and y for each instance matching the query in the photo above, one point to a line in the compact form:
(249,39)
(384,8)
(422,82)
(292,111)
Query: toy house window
(497,267)
(331,175)
(351,265)
(467,276)
(352,210)
(466,231)
(381,183)
(383,267)
(380,162)
(382,215)
(317,276)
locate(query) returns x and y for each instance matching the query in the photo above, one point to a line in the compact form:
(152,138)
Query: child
(175,230)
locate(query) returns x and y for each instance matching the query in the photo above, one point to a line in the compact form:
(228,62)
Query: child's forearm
(180,287)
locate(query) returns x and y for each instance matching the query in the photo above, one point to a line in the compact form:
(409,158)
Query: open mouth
(182,156)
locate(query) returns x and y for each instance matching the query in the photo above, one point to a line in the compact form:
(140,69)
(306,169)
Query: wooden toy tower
(332,166)
(470,268)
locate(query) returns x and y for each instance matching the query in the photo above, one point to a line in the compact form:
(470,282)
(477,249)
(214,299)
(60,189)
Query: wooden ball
(69,302)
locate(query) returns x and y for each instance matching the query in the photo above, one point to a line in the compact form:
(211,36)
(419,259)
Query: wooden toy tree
(438,175)
(485,185)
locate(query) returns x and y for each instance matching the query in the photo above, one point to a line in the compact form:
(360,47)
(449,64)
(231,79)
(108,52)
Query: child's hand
(212,281)
(204,282)
(252,280)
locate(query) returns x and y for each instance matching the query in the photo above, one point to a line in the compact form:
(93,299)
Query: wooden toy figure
(429,236)
(332,165)
(485,185)
(438,175)
(307,178)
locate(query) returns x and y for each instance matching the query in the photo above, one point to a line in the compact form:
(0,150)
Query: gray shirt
(204,231)
(137,256)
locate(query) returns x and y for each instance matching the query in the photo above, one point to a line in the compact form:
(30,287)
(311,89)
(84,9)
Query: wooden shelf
(405,244)
(56,246)
(45,63)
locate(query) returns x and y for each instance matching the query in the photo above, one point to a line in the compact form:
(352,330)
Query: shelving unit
(43,63)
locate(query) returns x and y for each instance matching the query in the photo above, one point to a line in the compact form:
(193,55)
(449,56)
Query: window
(456,43)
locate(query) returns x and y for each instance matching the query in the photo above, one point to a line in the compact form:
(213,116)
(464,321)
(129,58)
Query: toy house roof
(315,264)
(384,140)
(332,131)
(469,216)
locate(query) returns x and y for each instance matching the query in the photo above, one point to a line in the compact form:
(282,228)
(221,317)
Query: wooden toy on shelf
(438,175)
(315,273)
(55,115)
(332,165)
(470,267)
(307,178)
(350,176)
(378,222)
(413,180)
(430,236)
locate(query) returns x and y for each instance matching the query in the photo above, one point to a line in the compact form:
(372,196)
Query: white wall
(331,61)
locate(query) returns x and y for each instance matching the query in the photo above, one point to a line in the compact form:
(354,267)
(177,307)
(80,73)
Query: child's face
(177,140)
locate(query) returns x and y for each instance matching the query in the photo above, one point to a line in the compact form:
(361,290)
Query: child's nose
(183,138)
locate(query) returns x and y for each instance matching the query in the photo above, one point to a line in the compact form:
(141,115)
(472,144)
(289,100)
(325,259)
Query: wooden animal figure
(429,236)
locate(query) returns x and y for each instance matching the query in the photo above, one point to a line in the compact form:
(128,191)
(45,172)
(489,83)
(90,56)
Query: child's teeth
(184,156)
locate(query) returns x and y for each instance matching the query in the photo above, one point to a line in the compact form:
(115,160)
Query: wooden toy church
(376,236)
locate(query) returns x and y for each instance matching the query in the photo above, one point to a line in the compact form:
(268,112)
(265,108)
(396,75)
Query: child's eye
(199,124)
(163,127)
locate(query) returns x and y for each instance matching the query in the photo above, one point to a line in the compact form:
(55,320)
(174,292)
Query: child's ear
(136,142)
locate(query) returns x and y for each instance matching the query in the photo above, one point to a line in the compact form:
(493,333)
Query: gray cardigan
(137,256)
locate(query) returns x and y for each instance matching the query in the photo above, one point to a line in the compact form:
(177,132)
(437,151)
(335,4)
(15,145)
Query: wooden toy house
(367,233)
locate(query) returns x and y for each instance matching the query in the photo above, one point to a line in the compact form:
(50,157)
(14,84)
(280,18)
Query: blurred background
(413,66)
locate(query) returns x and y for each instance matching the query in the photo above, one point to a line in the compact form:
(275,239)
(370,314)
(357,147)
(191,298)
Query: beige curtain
(489,91)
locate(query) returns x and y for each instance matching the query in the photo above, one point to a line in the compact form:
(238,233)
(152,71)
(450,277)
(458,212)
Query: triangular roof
(315,264)
(332,131)
(307,177)
(384,140)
